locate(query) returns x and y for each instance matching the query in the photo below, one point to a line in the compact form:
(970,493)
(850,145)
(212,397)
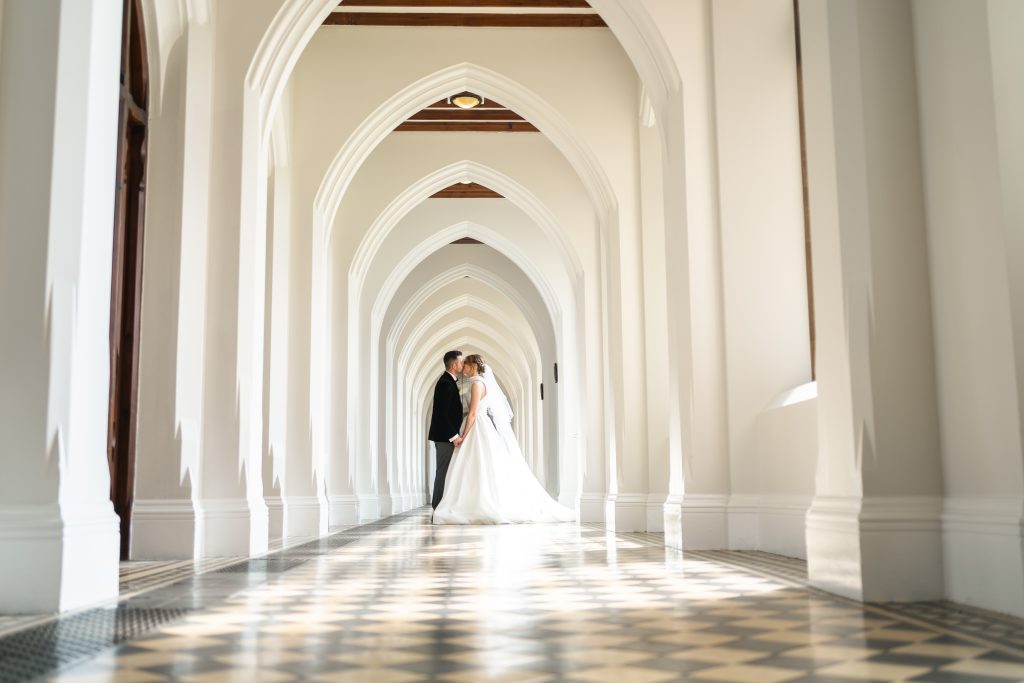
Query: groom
(446,420)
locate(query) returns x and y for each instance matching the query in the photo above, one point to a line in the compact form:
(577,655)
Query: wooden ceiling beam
(443,104)
(483,127)
(464,20)
(466,191)
(466,115)
(529,4)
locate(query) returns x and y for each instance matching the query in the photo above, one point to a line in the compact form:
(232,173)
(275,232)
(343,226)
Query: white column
(170,398)
(232,511)
(695,511)
(655,308)
(302,506)
(59,70)
(275,352)
(629,344)
(594,456)
(873,529)
(969,65)
(342,485)
(764,275)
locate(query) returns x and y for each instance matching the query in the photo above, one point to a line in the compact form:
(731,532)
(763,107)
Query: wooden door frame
(126,273)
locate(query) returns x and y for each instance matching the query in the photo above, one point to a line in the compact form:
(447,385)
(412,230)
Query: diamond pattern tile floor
(406,602)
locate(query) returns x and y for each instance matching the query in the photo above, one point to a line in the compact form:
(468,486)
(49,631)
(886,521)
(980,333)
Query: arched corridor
(750,273)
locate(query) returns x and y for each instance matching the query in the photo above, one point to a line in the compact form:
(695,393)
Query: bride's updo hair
(477,361)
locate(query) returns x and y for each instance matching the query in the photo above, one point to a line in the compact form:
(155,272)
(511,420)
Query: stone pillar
(275,352)
(698,480)
(655,307)
(59,70)
(597,441)
(170,399)
(873,530)
(302,506)
(628,341)
(344,494)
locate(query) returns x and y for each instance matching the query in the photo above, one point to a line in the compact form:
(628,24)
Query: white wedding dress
(488,480)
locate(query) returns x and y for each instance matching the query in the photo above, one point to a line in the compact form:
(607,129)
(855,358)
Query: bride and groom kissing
(482,476)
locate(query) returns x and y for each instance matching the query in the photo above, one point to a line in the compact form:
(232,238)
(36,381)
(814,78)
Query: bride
(489,481)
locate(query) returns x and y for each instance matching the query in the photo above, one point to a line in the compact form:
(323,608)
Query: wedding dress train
(488,480)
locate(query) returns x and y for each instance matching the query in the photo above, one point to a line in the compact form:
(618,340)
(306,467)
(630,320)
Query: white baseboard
(223,528)
(696,521)
(772,523)
(58,557)
(593,508)
(630,510)
(876,549)
(344,511)
(369,508)
(275,517)
(655,512)
(984,552)
(302,516)
(163,529)
(743,513)
(672,514)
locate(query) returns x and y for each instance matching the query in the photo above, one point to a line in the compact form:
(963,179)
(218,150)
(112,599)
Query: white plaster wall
(786,455)
(762,227)
(761,213)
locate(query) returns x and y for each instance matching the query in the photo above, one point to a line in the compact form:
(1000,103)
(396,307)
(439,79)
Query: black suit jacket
(446,417)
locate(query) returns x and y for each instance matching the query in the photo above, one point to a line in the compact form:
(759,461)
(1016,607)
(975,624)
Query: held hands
(458,441)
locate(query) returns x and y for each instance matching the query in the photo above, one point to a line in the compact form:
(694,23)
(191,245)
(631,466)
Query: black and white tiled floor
(405,602)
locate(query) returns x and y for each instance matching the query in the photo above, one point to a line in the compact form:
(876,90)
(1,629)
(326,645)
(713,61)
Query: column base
(369,509)
(301,516)
(385,506)
(58,558)
(343,511)
(163,529)
(876,549)
(696,521)
(275,517)
(672,515)
(984,552)
(223,528)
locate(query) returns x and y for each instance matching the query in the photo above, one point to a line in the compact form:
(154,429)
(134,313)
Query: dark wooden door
(126,287)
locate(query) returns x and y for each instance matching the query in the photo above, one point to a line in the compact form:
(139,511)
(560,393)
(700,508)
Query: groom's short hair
(450,358)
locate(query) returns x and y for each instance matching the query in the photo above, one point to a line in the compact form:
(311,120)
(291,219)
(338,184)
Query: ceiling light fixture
(465,182)
(466,100)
